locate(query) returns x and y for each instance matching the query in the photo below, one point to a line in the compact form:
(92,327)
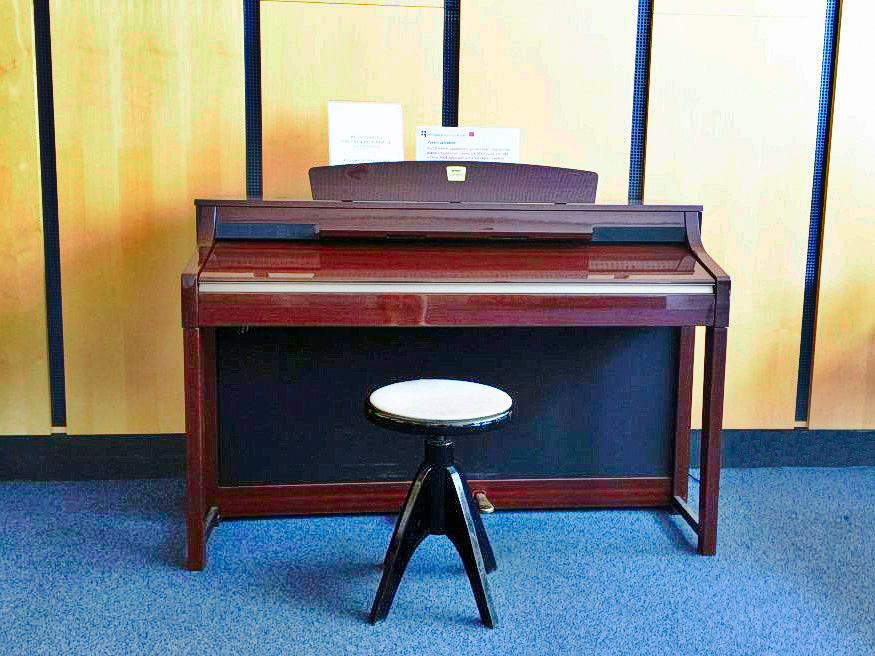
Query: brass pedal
(483,502)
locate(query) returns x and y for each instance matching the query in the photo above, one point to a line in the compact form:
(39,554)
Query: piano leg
(686,350)
(195,489)
(712,422)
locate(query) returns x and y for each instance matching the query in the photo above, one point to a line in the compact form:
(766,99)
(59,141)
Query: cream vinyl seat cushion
(440,401)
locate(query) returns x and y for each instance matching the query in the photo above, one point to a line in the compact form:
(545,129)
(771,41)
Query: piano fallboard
(241,220)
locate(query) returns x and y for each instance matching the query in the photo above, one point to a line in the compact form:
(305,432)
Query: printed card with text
(470,144)
(364,132)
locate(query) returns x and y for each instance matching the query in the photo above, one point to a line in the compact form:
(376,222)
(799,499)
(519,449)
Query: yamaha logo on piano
(456,173)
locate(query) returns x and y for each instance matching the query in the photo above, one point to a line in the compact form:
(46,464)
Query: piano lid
(467,262)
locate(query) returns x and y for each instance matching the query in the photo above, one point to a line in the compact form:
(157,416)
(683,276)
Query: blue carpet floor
(96,568)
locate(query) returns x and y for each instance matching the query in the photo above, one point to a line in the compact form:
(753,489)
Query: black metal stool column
(439,501)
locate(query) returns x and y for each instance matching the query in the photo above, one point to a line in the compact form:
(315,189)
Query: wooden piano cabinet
(686,358)
(712,421)
(447,310)
(387,496)
(237,282)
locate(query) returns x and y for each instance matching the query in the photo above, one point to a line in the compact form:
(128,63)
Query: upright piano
(585,313)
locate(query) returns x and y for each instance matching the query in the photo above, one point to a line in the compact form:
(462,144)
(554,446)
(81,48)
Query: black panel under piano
(588,402)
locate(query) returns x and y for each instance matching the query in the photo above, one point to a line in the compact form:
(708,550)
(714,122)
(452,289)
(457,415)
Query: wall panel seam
(252,97)
(818,205)
(640,101)
(51,232)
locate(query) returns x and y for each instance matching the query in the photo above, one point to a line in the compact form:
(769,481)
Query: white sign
(364,132)
(468,144)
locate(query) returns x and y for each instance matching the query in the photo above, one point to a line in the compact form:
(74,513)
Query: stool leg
(410,530)
(485,546)
(461,530)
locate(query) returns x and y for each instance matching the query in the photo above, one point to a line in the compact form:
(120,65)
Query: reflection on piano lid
(466,288)
(430,262)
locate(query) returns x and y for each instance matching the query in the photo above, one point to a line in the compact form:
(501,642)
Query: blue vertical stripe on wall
(818,198)
(49,181)
(639,101)
(450,110)
(252,70)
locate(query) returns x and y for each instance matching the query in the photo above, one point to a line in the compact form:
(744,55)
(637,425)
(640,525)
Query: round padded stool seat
(440,403)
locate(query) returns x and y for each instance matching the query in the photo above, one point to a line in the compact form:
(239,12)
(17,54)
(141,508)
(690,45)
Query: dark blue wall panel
(640,98)
(51,238)
(818,197)
(450,109)
(252,71)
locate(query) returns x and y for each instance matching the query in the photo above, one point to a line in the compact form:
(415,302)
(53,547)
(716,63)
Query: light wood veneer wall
(149,113)
(24,377)
(732,126)
(843,384)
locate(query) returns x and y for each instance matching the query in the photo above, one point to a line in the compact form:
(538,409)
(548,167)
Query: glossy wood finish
(451,310)
(732,124)
(148,111)
(201,507)
(195,493)
(686,352)
(430,261)
(843,376)
(712,421)
(507,494)
(723,285)
(468,262)
(429,181)
(559,71)
(544,260)
(471,221)
(24,390)
(512,207)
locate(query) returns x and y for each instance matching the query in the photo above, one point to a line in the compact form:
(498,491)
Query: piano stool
(438,501)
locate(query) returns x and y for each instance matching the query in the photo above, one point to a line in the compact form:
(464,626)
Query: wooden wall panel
(843,385)
(388,3)
(316,52)
(732,126)
(24,377)
(149,114)
(563,73)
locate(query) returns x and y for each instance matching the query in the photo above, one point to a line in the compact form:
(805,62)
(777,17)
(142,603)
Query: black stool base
(438,502)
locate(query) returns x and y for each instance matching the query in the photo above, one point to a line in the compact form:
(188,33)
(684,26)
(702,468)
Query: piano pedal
(483,502)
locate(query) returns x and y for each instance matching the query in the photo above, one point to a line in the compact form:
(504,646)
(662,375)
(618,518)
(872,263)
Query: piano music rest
(302,301)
